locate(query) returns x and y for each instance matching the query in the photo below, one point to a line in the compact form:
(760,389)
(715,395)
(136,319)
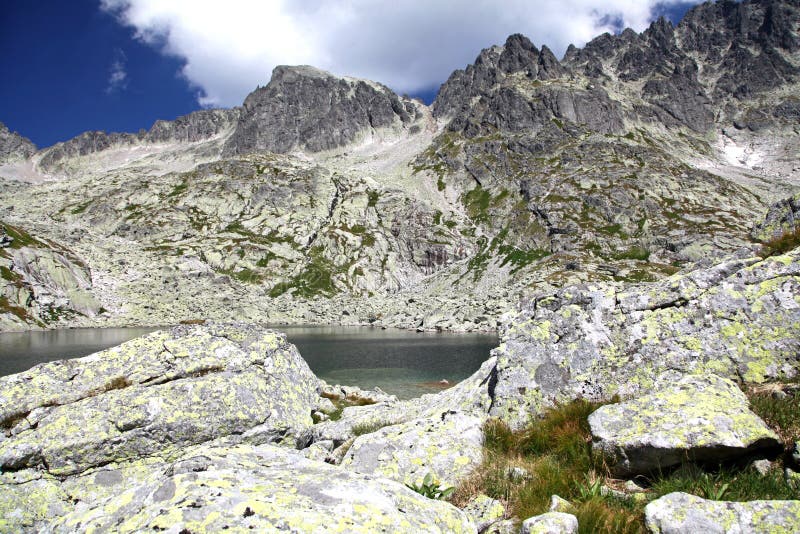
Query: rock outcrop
(13,146)
(449,447)
(153,396)
(42,282)
(680,513)
(190,428)
(738,319)
(262,488)
(309,109)
(782,218)
(695,418)
(197,126)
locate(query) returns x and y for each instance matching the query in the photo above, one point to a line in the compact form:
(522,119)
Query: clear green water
(404,363)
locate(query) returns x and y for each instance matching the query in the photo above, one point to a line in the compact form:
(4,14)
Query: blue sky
(69,67)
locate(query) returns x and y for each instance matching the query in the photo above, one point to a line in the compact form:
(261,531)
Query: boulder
(738,319)
(697,418)
(221,486)
(550,523)
(681,513)
(449,447)
(484,511)
(153,396)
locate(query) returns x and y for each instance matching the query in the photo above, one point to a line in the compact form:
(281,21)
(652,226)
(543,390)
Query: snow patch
(739,155)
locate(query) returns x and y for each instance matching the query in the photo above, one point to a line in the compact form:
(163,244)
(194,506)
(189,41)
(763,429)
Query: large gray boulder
(550,523)
(681,513)
(696,418)
(449,447)
(739,319)
(153,396)
(223,486)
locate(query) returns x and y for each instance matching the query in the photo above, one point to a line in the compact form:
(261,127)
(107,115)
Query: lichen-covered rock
(154,395)
(559,504)
(681,513)
(739,319)
(449,446)
(267,489)
(782,217)
(223,486)
(696,418)
(550,523)
(484,511)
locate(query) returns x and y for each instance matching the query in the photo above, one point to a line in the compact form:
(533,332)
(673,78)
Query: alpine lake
(404,363)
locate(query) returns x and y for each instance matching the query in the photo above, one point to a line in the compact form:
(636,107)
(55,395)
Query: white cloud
(409,45)
(118,75)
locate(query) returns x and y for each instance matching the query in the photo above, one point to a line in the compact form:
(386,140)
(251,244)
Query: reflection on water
(404,363)
(22,350)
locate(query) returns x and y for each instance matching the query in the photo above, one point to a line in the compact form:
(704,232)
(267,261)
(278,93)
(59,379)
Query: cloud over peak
(409,45)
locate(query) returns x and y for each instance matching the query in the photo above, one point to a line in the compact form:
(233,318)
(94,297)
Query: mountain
(332,199)
(13,146)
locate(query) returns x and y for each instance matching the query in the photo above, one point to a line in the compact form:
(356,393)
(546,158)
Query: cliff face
(332,199)
(42,282)
(13,146)
(308,109)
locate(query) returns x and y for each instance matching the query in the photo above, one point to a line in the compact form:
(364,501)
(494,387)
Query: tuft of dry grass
(781,244)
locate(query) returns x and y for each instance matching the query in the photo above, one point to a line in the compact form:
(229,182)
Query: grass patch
(613,229)
(778,404)
(781,244)
(18,311)
(20,238)
(372,198)
(179,189)
(315,279)
(80,208)
(555,454)
(633,253)
(519,258)
(477,203)
(245,275)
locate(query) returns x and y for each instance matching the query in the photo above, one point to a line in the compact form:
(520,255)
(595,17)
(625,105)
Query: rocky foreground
(224,427)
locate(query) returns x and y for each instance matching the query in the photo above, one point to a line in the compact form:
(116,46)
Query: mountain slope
(331,199)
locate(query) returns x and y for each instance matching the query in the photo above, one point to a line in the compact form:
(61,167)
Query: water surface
(404,363)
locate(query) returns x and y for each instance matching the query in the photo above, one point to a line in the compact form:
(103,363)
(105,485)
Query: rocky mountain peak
(746,46)
(519,54)
(306,108)
(13,146)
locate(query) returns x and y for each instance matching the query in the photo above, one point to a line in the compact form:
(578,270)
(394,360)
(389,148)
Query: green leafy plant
(431,489)
(710,489)
(590,488)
